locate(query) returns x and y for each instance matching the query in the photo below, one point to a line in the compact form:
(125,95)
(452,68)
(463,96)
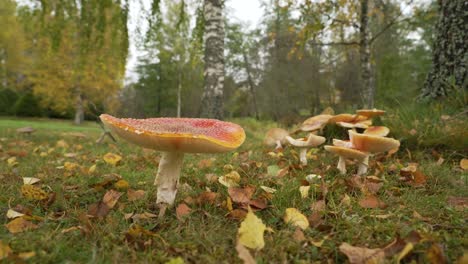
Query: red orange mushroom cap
(192,135)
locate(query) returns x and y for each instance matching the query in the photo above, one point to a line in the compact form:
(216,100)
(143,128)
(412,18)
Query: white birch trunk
(212,100)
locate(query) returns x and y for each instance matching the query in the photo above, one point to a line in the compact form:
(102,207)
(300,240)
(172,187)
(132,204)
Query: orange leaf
(19,225)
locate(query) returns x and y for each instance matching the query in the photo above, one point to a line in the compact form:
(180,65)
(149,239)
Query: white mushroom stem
(167,177)
(303,156)
(278,144)
(342,165)
(363,166)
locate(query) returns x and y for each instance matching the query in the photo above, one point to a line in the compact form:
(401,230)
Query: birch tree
(212,99)
(450,51)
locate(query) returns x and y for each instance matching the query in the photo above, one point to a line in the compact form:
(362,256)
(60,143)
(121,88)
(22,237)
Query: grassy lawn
(430,207)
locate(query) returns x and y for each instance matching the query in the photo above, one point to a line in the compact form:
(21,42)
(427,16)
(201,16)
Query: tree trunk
(367,82)
(450,48)
(179,94)
(251,84)
(79,110)
(212,100)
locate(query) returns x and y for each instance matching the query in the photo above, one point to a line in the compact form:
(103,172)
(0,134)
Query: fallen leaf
(258,203)
(231,179)
(70,166)
(26,255)
(304,190)
(19,225)
(296,218)
(99,209)
(205,163)
(244,254)
(182,211)
(177,260)
(112,159)
(251,232)
(237,214)
(346,201)
(92,169)
(110,198)
(61,144)
(33,193)
(318,206)
(299,235)
(371,201)
(436,254)
(464,164)
(12,162)
(268,189)
(241,195)
(318,243)
(121,185)
(406,250)
(360,255)
(134,195)
(30,180)
(12,214)
(5,250)
(143,216)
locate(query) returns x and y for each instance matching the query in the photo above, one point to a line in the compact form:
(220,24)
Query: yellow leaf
(112,159)
(177,260)
(407,249)
(251,232)
(12,162)
(27,255)
(110,198)
(70,166)
(19,225)
(61,144)
(304,190)
(121,185)
(230,180)
(296,218)
(30,180)
(268,189)
(5,250)
(33,192)
(229,204)
(92,169)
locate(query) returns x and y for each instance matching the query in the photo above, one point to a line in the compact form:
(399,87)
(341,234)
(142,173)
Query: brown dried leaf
(298,235)
(134,195)
(360,255)
(371,201)
(206,198)
(19,225)
(241,195)
(182,211)
(237,214)
(111,197)
(99,209)
(318,206)
(459,203)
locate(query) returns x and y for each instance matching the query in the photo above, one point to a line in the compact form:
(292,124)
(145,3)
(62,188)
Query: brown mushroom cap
(380,131)
(315,122)
(360,124)
(275,134)
(192,135)
(347,153)
(371,143)
(370,113)
(311,141)
(342,118)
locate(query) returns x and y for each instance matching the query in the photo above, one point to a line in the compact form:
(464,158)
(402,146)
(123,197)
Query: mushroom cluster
(361,146)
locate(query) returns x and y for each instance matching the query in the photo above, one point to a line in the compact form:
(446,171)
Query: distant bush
(8,98)
(27,105)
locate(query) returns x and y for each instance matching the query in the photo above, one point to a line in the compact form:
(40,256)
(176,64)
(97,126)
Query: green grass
(208,235)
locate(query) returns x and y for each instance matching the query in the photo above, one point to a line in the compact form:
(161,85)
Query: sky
(248,12)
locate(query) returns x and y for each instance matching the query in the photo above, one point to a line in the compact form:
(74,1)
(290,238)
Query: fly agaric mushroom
(315,123)
(377,131)
(276,137)
(372,144)
(311,141)
(370,113)
(344,153)
(176,136)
